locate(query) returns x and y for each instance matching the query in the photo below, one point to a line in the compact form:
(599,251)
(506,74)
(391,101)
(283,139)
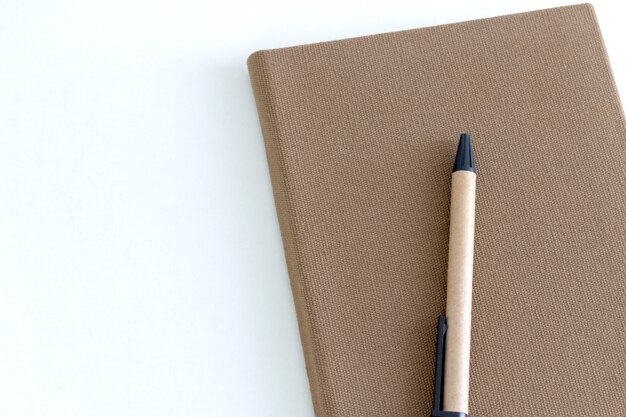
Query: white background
(141,267)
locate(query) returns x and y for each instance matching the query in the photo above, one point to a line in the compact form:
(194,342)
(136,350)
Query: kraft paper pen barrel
(459,280)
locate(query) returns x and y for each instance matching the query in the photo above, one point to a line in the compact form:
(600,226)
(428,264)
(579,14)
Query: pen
(459,280)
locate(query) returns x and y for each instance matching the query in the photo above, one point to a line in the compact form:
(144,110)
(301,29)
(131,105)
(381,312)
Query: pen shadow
(429,262)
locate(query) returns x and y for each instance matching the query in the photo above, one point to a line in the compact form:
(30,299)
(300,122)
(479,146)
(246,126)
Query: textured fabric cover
(360,137)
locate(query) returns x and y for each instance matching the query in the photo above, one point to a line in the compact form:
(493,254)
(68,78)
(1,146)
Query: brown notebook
(360,137)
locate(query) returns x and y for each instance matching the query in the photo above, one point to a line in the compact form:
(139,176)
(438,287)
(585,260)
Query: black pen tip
(464,160)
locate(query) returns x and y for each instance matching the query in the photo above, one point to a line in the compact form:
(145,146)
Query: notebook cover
(360,137)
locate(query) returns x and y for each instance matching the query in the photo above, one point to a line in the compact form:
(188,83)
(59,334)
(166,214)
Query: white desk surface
(141,267)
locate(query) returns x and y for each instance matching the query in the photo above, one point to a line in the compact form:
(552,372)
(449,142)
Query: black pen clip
(442,327)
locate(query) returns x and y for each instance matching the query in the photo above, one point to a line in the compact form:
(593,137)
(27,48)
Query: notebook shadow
(257,289)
